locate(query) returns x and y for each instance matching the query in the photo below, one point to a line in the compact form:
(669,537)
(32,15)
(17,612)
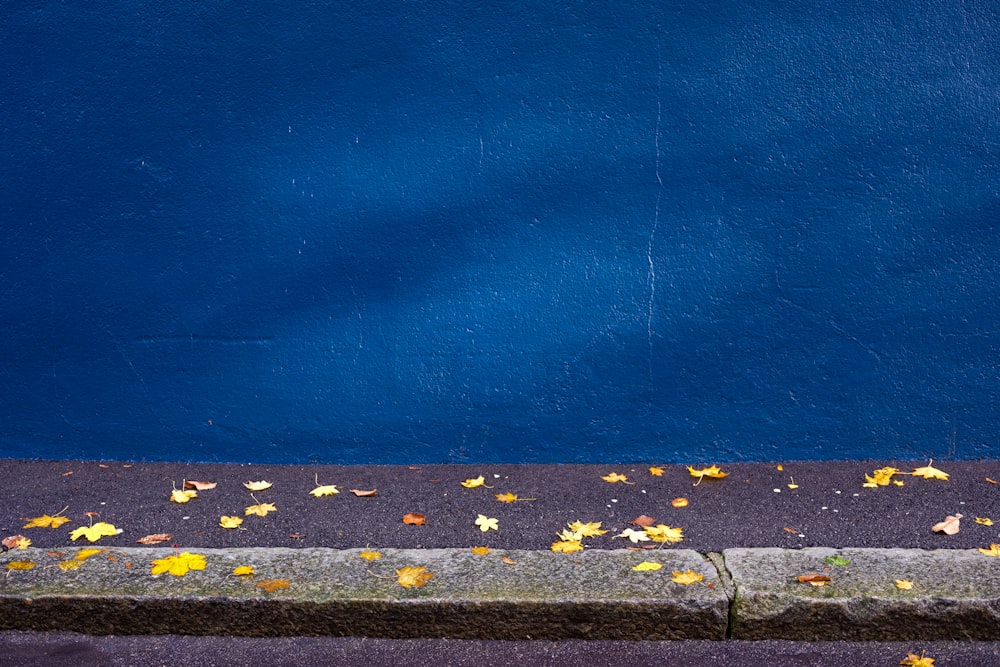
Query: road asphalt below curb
(318,584)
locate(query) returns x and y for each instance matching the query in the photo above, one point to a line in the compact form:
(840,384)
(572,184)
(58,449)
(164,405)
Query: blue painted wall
(454,231)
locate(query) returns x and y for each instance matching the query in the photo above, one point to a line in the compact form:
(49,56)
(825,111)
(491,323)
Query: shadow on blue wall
(404,232)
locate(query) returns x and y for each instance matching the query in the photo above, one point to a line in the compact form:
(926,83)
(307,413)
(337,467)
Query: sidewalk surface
(747,537)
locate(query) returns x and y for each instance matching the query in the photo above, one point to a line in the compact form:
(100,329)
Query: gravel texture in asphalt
(755,505)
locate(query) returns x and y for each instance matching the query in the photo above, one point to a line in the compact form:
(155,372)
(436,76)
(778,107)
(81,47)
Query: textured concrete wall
(539,231)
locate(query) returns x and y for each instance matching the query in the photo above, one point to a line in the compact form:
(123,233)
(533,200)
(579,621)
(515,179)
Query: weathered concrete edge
(745,594)
(955,594)
(501,595)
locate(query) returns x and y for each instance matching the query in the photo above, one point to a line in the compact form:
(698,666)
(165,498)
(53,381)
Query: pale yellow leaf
(258,486)
(486,523)
(46,521)
(232,521)
(591,529)
(243,570)
(182,495)
(904,584)
(647,566)
(95,532)
(369,555)
(325,490)
(661,533)
(949,526)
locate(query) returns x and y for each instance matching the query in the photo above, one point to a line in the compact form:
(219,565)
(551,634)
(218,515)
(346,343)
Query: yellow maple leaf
(661,533)
(243,571)
(325,490)
(20,565)
(904,584)
(686,578)
(914,660)
(679,502)
(656,472)
(566,546)
(930,472)
(271,585)
(46,521)
(994,550)
(983,521)
(474,483)
(712,471)
(880,477)
(258,486)
(591,529)
(178,565)
(413,577)
(486,523)
(647,566)
(182,495)
(95,532)
(260,509)
(614,477)
(231,521)
(369,555)
(480,551)
(506,497)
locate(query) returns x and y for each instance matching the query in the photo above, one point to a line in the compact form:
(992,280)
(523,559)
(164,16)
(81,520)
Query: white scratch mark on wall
(651,263)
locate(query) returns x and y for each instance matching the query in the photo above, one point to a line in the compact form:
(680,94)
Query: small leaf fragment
(261,509)
(480,551)
(475,483)
(679,502)
(647,566)
(615,477)
(914,660)
(661,533)
(814,579)
(880,477)
(994,550)
(634,536)
(949,526)
(643,520)
(369,555)
(506,497)
(258,486)
(656,472)
(837,560)
(46,521)
(361,493)
(687,578)
(271,585)
(567,546)
(182,495)
(155,538)
(16,542)
(20,565)
(243,571)
(983,521)
(590,529)
(414,519)
(199,486)
(413,577)
(904,584)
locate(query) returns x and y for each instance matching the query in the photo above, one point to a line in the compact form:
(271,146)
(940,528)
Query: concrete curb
(595,594)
